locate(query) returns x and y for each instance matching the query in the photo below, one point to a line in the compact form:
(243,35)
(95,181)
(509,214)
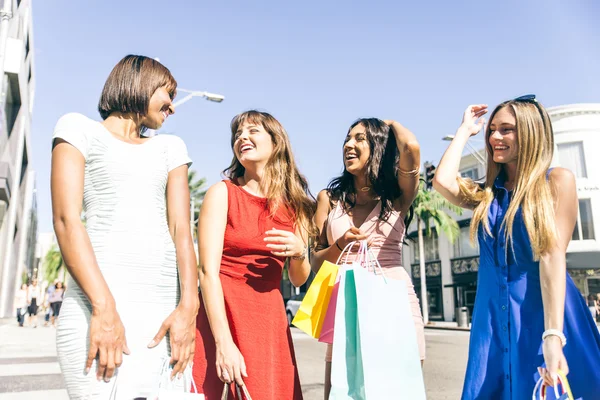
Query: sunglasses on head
(530,98)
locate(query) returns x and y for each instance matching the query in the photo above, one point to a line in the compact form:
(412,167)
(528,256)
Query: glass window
(462,245)
(470,173)
(570,156)
(584,227)
(430,248)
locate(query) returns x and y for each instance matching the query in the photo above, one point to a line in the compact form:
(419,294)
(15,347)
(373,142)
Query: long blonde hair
(284,183)
(531,192)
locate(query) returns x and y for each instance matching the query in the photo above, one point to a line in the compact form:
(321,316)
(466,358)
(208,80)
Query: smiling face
(502,137)
(252,144)
(356,150)
(159,109)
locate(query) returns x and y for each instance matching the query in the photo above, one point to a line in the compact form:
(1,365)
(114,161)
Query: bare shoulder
(217,192)
(562,178)
(324,200)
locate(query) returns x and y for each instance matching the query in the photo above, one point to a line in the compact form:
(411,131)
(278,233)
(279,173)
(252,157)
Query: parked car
(292,306)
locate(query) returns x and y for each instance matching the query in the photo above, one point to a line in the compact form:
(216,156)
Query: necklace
(365,188)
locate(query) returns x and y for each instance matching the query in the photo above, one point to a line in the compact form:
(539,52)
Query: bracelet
(414,172)
(555,332)
(338,246)
(301,256)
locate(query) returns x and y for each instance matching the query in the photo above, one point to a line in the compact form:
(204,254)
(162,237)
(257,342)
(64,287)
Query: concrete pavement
(29,367)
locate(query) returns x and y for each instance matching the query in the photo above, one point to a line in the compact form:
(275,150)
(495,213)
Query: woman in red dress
(249,224)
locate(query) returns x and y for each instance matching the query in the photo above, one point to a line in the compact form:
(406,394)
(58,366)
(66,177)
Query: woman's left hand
(284,243)
(181,325)
(555,360)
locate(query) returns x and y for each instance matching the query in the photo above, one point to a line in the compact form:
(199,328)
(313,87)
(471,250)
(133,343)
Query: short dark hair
(131,84)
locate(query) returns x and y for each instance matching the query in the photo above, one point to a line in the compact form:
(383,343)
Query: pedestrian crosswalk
(28,364)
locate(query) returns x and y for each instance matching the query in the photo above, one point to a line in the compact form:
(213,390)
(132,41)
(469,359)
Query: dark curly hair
(382,171)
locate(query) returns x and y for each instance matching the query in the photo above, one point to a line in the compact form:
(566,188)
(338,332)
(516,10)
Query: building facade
(451,268)
(18,204)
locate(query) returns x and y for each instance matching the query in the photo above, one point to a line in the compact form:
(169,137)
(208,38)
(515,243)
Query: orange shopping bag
(311,314)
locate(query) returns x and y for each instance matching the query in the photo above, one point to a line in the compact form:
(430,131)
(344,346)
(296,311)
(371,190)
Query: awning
(583,260)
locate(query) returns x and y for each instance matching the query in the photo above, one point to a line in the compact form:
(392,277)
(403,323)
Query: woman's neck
(510,171)
(253,181)
(123,125)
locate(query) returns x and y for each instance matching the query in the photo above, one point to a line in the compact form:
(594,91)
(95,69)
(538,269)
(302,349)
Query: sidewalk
(452,326)
(28,364)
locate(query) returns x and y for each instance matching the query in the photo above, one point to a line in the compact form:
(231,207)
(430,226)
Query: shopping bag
(238,390)
(176,389)
(347,380)
(328,324)
(388,340)
(539,391)
(361,259)
(311,314)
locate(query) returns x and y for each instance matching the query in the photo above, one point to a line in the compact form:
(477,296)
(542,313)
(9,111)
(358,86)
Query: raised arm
(553,268)
(211,234)
(408,165)
(329,251)
(181,323)
(107,333)
(445,180)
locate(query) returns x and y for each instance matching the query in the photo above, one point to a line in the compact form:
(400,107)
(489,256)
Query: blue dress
(505,348)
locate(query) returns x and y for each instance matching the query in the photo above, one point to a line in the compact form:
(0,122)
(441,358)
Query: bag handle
(347,251)
(239,390)
(540,387)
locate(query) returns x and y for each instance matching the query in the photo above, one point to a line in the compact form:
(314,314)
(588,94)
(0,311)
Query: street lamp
(217,98)
(472,150)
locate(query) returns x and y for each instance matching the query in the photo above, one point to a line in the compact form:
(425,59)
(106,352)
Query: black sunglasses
(530,98)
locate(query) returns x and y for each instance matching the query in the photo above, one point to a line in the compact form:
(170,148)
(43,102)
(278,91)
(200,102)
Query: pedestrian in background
(21,303)
(55,300)
(34,298)
(523,216)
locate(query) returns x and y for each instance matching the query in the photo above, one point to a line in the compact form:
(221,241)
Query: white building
(18,209)
(451,269)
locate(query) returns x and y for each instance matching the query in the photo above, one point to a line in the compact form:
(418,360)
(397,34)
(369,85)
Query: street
(29,367)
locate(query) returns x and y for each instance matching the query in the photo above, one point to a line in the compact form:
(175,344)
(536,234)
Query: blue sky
(315,65)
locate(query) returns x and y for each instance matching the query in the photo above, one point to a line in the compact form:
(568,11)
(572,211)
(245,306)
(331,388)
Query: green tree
(53,264)
(197,193)
(430,207)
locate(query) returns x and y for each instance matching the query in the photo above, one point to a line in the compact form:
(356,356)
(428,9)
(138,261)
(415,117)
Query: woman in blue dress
(529,318)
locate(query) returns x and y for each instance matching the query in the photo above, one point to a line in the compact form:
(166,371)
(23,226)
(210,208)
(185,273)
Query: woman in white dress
(133,265)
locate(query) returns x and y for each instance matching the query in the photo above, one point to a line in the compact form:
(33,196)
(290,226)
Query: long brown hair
(284,184)
(531,192)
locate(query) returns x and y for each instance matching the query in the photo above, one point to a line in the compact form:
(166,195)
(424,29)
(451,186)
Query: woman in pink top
(372,200)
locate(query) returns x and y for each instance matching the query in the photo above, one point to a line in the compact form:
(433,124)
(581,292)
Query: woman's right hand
(107,341)
(230,364)
(351,235)
(469,121)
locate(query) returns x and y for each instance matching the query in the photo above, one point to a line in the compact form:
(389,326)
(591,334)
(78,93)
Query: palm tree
(429,207)
(53,264)
(197,192)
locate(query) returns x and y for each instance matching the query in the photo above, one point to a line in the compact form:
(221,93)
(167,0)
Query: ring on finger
(286,248)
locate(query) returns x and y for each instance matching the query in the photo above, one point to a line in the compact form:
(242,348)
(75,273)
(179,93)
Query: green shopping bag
(347,379)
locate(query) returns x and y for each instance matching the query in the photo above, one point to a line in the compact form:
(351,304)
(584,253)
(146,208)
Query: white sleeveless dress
(124,202)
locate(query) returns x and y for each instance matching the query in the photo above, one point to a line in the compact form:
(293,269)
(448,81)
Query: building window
(470,173)
(571,157)
(584,227)
(462,245)
(27,47)
(12,104)
(430,248)
(24,164)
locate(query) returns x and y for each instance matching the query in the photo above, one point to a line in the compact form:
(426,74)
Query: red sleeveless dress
(251,279)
